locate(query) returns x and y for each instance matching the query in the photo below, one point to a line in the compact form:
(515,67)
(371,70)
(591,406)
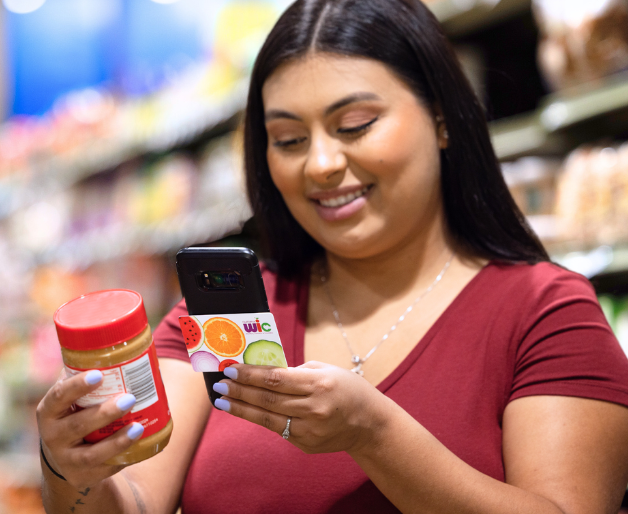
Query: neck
(394,273)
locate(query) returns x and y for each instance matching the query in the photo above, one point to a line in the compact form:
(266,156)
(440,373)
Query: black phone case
(250,296)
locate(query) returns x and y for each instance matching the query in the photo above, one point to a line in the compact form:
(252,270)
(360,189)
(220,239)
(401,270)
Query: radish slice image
(204,361)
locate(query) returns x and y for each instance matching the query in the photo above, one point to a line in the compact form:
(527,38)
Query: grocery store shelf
(597,262)
(555,127)
(55,174)
(523,135)
(577,105)
(588,263)
(118,241)
(460,17)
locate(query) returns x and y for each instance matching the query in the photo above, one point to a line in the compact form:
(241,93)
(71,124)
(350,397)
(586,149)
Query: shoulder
(542,280)
(522,295)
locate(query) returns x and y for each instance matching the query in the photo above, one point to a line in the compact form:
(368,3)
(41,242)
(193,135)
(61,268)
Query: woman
(485,379)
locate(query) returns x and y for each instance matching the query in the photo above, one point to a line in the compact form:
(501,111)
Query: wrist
(47,463)
(376,425)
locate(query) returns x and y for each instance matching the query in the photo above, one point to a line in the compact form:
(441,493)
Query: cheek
(403,146)
(288,179)
(280,173)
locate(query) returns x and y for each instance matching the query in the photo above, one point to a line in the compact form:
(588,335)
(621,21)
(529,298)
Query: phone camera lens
(232,280)
(220,280)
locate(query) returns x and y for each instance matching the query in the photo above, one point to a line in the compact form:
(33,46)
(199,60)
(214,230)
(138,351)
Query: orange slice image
(224,337)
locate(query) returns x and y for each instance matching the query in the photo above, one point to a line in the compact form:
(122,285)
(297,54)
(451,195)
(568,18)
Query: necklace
(355,358)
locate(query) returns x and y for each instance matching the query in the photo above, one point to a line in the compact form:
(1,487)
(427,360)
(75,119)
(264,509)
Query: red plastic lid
(101,319)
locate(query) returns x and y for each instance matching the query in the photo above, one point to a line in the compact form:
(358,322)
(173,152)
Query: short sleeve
(168,337)
(566,346)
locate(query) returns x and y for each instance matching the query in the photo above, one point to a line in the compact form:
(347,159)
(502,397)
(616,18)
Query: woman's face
(354,153)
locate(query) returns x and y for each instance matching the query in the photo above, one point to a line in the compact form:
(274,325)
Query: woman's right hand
(62,430)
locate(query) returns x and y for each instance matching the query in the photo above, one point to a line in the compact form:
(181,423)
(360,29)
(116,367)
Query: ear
(441,128)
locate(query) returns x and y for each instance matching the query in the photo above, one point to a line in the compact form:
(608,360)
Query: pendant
(358,369)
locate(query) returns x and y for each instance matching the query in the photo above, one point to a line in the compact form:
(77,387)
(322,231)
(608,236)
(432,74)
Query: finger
(313,365)
(93,457)
(281,403)
(87,464)
(296,381)
(60,397)
(270,420)
(72,429)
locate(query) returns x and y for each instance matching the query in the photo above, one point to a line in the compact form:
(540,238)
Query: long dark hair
(480,213)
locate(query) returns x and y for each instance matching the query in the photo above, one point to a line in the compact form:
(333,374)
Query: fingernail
(223,404)
(221,388)
(231,373)
(125,402)
(135,431)
(93,377)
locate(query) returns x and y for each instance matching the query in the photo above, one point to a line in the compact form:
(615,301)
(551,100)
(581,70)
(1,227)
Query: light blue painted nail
(125,402)
(231,372)
(93,377)
(223,404)
(135,431)
(221,388)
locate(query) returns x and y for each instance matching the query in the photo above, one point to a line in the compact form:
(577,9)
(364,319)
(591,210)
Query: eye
(357,130)
(287,143)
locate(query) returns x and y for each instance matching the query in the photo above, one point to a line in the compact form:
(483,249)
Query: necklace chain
(355,358)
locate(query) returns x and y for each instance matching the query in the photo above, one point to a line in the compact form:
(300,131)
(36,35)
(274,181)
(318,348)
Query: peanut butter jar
(109,331)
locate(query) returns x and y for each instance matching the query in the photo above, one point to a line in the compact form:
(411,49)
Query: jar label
(139,376)
(215,342)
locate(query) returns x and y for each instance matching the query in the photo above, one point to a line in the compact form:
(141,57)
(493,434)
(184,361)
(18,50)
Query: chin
(353,248)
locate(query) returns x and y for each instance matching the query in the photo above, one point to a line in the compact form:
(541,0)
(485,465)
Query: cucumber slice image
(265,353)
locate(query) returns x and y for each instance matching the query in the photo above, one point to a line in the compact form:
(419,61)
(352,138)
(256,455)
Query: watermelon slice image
(193,333)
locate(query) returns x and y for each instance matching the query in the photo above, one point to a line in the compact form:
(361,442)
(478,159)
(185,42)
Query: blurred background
(120,144)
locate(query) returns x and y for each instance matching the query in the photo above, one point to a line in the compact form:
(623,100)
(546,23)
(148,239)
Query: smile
(339,201)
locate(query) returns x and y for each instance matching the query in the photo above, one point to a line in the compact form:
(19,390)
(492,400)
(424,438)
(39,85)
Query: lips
(341,203)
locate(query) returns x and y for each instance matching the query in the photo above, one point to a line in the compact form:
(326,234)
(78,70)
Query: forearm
(420,475)
(116,494)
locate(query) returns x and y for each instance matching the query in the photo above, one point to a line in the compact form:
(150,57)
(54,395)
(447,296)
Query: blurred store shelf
(607,269)
(585,103)
(523,135)
(461,17)
(557,125)
(167,133)
(20,478)
(595,262)
(169,236)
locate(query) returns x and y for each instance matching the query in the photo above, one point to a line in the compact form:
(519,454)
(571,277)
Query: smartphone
(220,281)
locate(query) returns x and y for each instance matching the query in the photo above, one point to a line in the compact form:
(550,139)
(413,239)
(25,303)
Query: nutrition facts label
(135,377)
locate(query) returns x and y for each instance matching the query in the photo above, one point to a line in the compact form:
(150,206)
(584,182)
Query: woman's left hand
(331,408)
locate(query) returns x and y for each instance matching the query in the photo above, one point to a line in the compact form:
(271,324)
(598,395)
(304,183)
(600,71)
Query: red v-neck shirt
(514,330)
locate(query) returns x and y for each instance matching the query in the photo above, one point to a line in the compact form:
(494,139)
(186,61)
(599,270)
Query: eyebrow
(274,114)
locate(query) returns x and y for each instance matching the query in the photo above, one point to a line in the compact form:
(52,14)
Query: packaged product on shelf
(592,196)
(581,41)
(532,183)
(163,190)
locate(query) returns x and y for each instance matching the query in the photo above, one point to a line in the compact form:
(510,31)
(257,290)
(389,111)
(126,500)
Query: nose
(325,158)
